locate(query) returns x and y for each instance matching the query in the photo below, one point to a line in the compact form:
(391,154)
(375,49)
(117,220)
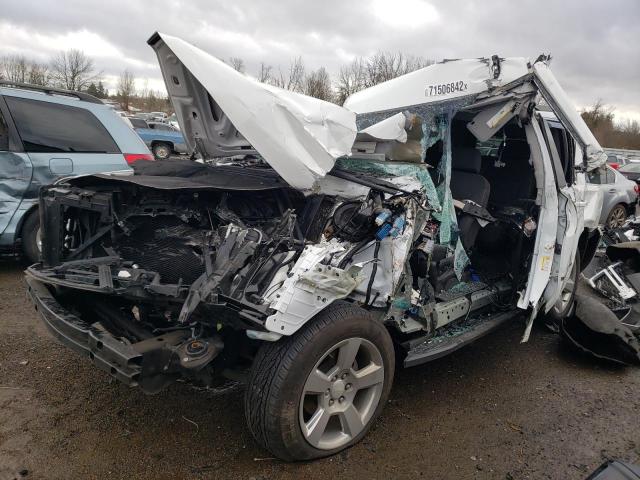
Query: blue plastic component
(383,231)
(383,216)
(398,226)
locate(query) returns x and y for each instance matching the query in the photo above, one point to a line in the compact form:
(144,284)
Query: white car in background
(619,194)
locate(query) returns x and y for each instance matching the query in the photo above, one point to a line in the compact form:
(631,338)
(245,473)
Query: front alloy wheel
(341,393)
(319,391)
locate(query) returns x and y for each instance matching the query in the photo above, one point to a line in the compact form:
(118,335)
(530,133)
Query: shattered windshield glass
(434,170)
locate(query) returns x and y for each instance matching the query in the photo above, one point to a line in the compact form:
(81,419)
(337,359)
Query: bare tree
(365,72)
(383,66)
(264,75)
(630,127)
(237,64)
(318,84)
(293,79)
(19,69)
(14,68)
(351,79)
(126,89)
(73,70)
(152,100)
(38,74)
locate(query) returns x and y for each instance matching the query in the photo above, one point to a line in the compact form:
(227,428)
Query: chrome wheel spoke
(351,421)
(317,425)
(347,353)
(317,382)
(368,376)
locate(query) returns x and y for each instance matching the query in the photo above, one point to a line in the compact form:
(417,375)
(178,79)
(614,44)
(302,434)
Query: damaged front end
(157,277)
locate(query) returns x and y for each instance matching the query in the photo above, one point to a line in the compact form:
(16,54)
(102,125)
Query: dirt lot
(497,409)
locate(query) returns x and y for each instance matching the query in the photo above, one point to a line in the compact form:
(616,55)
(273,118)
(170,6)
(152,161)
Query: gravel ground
(497,409)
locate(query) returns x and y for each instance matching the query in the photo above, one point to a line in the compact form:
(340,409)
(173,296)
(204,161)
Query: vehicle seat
(468,184)
(511,175)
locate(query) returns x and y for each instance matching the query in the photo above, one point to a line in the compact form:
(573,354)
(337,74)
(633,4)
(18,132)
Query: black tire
(617,216)
(275,389)
(161,151)
(30,231)
(562,310)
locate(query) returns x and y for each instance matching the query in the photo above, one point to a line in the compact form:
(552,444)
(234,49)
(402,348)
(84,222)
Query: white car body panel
(417,88)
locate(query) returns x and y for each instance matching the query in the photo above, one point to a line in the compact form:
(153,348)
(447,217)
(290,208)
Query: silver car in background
(620,195)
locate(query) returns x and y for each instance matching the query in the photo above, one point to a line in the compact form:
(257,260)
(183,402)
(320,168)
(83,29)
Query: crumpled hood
(299,136)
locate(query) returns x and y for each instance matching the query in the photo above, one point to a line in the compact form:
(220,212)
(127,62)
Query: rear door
(63,140)
(15,170)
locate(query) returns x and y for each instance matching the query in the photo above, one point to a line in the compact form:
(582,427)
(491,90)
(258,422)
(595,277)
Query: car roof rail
(51,91)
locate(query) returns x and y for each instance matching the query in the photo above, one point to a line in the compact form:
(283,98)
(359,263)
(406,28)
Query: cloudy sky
(595,43)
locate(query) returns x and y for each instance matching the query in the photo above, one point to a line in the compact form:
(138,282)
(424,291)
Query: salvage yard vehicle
(619,195)
(163,139)
(48,133)
(317,246)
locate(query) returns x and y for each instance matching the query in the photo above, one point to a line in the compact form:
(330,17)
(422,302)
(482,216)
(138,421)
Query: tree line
(601,120)
(74,70)
(360,73)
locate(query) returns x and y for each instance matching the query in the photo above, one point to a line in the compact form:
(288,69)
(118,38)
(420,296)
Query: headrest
(466,159)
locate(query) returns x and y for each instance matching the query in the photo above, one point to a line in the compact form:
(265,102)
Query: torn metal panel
(299,136)
(596,330)
(310,287)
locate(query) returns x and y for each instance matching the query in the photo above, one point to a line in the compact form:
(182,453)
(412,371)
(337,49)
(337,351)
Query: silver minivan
(46,134)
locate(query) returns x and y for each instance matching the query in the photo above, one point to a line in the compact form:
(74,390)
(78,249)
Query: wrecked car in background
(316,242)
(607,318)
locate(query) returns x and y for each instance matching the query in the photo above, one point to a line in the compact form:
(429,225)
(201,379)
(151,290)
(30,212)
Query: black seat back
(512,174)
(468,184)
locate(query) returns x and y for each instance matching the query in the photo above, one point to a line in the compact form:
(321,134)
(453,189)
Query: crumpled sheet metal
(310,287)
(595,330)
(299,136)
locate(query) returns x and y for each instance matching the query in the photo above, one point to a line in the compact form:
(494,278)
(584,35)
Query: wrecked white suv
(315,246)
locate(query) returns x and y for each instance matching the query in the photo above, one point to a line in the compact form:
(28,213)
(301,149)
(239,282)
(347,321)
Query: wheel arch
(168,143)
(27,213)
(587,246)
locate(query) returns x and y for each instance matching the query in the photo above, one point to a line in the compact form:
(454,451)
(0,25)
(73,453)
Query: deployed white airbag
(392,128)
(299,136)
